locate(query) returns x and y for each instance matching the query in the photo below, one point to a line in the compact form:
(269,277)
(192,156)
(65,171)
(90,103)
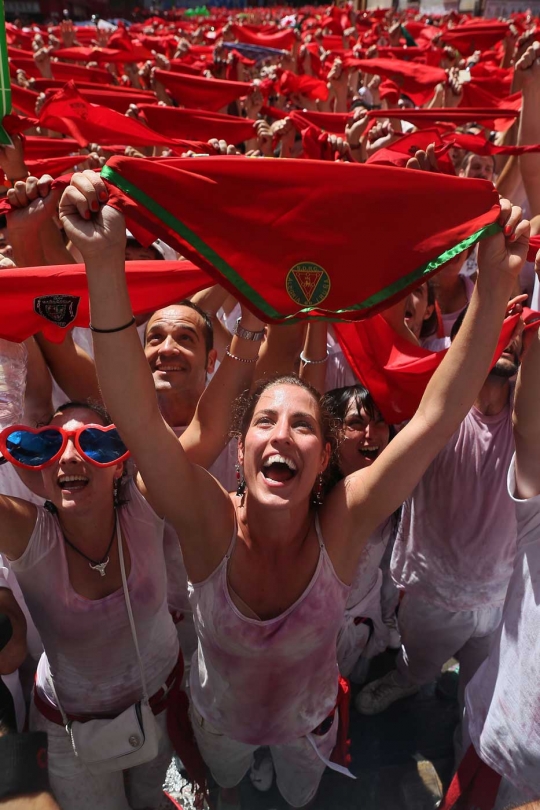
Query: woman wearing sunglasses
(270,572)
(66,557)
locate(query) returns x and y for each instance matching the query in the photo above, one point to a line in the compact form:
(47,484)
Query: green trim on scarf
(415,277)
(5,80)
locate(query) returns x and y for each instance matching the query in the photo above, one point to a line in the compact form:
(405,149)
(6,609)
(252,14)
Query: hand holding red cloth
(197,124)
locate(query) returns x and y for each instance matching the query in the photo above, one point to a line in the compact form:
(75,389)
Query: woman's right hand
(96,229)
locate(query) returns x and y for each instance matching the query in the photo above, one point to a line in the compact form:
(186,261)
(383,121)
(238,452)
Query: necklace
(95,565)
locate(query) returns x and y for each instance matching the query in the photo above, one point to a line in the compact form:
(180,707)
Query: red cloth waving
(417,81)
(395,371)
(282,252)
(68,112)
(197,124)
(200,93)
(478,37)
(54,299)
(283,40)
(500,120)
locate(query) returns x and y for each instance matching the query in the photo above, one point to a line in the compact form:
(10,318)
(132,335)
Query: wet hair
(429,326)
(132,242)
(87,405)
(245,406)
(208,327)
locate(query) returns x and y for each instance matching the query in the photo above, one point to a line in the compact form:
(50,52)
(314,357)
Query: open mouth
(169,369)
(279,468)
(370,453)
(72,483)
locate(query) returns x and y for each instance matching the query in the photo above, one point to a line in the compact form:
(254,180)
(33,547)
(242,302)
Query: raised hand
(424,161)
(96,229)
(502,255)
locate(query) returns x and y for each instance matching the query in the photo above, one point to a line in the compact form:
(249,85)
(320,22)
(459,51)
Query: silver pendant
(100,566)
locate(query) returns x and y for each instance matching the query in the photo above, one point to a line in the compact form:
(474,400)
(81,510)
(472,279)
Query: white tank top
(88,643)
(267,682)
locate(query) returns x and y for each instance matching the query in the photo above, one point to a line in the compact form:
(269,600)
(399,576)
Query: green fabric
(5,81)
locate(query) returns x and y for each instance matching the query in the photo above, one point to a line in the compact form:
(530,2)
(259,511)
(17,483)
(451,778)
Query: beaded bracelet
(312,362)
(240,359)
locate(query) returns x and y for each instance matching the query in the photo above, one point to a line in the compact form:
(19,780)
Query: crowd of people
(218,508)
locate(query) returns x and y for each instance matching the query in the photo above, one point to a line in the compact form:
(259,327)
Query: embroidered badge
(307,284)
(58,309)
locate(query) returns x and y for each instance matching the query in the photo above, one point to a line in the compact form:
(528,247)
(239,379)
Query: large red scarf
(285,253)
(284,40)
(198,92)
(68,112)
(197,124)
(394,370)
(54,299)
(500,120)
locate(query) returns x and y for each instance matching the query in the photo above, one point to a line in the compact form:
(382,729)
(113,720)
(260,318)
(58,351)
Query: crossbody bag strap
(128,607)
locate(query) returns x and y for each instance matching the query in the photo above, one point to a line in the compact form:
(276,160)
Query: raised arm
(527,419)
(179,489)
(374,493)
(529,129)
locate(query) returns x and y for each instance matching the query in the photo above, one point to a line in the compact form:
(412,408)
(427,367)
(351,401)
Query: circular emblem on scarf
(307,284)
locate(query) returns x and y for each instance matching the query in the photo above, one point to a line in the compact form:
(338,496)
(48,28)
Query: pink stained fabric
(98,671)
(464,561)
(503,699)
(267,682)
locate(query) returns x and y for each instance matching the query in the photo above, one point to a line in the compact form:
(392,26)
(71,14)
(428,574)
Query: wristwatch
(247,334)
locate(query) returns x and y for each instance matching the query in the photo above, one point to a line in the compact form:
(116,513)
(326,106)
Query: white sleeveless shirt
(88,642)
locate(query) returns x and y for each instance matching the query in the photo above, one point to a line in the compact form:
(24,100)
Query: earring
(115,492)
(240,481)
(319,494)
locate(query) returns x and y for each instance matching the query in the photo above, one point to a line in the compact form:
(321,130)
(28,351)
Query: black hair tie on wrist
(116,329)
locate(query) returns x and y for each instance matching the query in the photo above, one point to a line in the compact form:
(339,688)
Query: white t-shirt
(339,373)
(456,541)
(503,698)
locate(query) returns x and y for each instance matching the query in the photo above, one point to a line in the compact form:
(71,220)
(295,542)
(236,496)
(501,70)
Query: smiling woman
(66,557)
(269,570)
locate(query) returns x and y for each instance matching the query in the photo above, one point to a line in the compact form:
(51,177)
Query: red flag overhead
(479,37)
(68,112)
(198,92)
(283,40)
(412,78)
(395,371)
(329,122)
(54,299)
(500,119)
(197,124)
(282,253)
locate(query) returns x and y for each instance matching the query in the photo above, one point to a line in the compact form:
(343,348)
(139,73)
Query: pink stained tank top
(267,682)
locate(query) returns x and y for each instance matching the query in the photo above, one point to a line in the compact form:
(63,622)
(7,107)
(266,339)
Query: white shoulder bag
(132,738)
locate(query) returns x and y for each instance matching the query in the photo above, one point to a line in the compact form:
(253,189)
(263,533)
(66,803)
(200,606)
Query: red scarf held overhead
(117,98)
(500,120)
(54,299)
(416,81)
(282,40)
(282,254)
(39,148)
(198,92)
(197,124)
(394,370)
(334,123)
(470,38)
(309,86)
(24,100)
(68,112)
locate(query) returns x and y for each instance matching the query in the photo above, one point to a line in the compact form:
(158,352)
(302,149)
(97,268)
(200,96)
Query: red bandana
(282,253)
(197,124)
(53,299)
(198,92)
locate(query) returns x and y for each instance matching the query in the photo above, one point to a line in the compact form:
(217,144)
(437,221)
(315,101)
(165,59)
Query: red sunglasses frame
(66,435)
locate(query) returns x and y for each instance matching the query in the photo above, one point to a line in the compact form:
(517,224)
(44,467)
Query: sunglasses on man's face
(36,448)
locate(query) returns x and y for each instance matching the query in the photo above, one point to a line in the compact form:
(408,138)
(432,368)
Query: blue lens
(34,449)
(100,446)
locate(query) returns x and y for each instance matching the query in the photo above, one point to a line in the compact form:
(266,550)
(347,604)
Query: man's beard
(505,368)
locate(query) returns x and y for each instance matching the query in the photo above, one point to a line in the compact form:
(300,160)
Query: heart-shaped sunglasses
(36,448)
